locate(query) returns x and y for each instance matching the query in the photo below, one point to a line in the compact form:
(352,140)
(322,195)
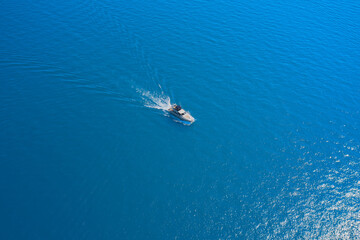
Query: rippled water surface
(88,152)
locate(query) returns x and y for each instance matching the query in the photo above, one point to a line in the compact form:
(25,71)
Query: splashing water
(153,100)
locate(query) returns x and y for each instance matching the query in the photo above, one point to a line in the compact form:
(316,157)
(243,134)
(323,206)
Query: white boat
(180,113)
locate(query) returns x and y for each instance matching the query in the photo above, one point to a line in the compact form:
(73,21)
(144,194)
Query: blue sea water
(88,152)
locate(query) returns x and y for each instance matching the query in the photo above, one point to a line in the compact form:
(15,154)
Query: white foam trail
(153,100)
(162,91)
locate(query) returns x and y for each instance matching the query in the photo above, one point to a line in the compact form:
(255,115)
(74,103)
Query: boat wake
(153,100)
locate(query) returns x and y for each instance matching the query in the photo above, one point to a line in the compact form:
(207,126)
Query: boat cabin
(181,112)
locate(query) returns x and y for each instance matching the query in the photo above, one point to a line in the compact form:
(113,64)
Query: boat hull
(187,117)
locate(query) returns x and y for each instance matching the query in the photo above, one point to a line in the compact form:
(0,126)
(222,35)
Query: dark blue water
(87,152)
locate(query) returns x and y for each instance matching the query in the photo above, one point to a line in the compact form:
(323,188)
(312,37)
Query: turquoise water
(88,152)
